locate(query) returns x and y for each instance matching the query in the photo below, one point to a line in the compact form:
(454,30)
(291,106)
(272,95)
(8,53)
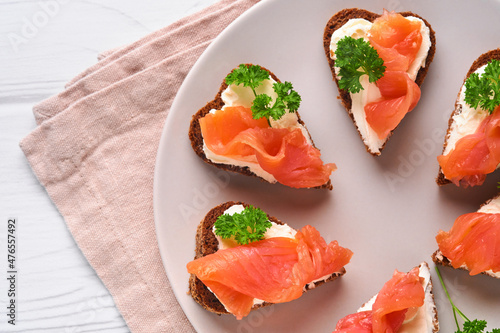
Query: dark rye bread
(341,18)
(439,258)
(196,137)
(482,60)
(206,244)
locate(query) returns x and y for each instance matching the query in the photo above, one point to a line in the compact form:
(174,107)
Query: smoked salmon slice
(400,94)
(284,153)
(474,155)
(404,291)
(473,241)
(274,270)
(397,41)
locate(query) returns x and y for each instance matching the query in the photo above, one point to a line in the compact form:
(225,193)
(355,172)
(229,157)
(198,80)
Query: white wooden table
(43,44)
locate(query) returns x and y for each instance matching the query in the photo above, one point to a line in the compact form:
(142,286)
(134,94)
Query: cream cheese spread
(493,274)
(466,120)
(423,320)
(359,28)
(238,95)
(491,207)
(276,230)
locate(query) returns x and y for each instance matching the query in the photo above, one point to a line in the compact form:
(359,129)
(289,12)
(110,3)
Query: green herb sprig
(474,326)
(484,90)
(356,57)
(248,226)
(249,76)
(252,76)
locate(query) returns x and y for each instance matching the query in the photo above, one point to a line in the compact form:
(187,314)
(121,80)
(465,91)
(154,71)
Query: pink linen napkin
(94,151)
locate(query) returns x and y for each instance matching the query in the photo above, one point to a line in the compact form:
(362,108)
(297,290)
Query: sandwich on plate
(378,63)
(472,144)
(253,127)
(246,259)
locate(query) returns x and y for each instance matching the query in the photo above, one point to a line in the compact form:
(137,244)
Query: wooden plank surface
(43,44)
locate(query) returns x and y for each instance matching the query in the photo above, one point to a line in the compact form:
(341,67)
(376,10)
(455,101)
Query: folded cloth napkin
(94,151)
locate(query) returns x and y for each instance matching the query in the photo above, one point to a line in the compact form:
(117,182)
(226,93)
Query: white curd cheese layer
(492,207)
(359,28)
(466,120)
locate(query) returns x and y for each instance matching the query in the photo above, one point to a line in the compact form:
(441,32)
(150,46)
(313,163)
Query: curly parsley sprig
(484,90)
(474,326)
(356,57)
(248,226)
(252,76)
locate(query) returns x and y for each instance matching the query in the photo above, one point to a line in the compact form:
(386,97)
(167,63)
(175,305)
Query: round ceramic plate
(386,209)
